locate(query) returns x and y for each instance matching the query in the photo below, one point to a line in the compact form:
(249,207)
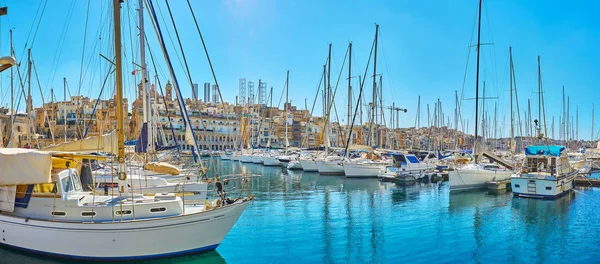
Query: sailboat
(475,175)
(46,210)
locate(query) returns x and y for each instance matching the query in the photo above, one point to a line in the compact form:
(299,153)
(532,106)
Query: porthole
(124,212)
(88,214)
(59,213)
(548,188)
(517,186)
(158,210)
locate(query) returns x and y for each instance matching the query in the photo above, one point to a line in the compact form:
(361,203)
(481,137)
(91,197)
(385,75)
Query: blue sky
(423,49)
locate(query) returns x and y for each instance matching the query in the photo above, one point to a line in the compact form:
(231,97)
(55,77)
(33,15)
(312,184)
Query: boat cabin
(546,159)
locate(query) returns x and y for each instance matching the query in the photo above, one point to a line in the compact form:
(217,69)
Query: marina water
(301,217)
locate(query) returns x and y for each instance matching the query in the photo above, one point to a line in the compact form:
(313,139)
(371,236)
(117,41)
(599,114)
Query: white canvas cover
(24,166)
(7,198)
(105,143)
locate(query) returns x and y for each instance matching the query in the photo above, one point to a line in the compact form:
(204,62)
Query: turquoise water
(300,217)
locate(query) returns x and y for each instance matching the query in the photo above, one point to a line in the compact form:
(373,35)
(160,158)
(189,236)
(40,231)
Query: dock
(587,182)
(498,185)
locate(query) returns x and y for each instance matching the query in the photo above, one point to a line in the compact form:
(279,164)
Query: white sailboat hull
(470,179)
(225,157)
(309,165)
(271,161)
(294,165)
(129,240)
(257,160)
(330,167)
(364,170)
(246,159)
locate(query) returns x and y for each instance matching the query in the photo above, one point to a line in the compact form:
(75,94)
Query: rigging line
(30,30)
(61,44)
(314,103)
(387,66)
(464,83)
(180,100)
(46,118)
(170,38)
(38,25)
(87,16)
(133,54)
(187,69)
(206,52)
(332,103)
(360,93)
(89,123)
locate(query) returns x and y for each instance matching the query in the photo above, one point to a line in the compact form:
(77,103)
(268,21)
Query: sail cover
(105,143)
(24,166)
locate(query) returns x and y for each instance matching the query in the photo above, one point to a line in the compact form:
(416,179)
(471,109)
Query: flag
(134,72)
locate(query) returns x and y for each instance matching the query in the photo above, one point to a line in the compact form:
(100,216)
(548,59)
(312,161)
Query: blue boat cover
(544,150)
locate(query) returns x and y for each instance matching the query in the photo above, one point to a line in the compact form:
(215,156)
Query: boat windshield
(71,184)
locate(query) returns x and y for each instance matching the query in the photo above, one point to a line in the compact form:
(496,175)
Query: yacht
(546,173)
(406,168)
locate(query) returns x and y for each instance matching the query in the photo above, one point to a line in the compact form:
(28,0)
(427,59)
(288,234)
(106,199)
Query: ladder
(531,186)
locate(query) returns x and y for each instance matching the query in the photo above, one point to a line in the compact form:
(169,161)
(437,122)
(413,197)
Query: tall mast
(286,108)
(12,96)
(477,81)
(64,103)
(539,128)
(512,127)
(145,99)
(349,84)
(28,103)
(592,136)
(122,172)
(374,110)
(328,99)
(379,137)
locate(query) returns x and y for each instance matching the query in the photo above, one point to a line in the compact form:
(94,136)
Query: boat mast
(12,90)
(122,172)
(328,99)
(286,108)
(144,83)
(592,136)
(349,86)
(512,127)
(65,110)
(374,109)
(477,82)
(539,128)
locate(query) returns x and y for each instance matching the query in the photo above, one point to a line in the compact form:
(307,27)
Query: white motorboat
(546,173)
(331,165)
(406,168)
(474,176)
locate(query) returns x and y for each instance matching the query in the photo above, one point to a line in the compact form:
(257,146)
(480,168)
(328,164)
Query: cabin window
(158,210)
(517,186)
(66,184)
(76,182)
(59,213)
(88,214)
(548,188)
(124,212)
(412,159)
